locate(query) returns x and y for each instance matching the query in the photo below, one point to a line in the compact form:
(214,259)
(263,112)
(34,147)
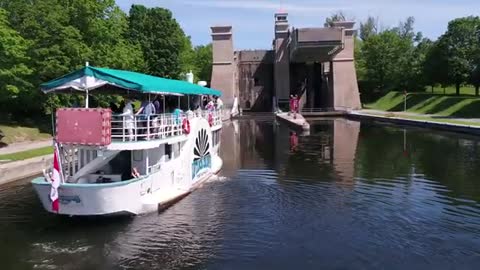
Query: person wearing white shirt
(128,118)
(219,103)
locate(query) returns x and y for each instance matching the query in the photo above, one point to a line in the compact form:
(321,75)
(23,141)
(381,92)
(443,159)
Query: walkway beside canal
(464,125)
(427,117)
(24,146)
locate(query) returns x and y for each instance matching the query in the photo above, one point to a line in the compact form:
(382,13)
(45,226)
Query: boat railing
(156,126)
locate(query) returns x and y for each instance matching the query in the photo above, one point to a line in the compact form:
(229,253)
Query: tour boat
(110,164)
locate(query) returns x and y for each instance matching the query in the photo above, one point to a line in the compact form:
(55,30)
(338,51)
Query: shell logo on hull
(202,160)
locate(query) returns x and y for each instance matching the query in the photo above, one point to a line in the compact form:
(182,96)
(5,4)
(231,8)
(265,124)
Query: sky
(253,20)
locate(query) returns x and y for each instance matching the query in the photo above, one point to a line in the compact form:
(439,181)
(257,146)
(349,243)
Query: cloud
(261,5)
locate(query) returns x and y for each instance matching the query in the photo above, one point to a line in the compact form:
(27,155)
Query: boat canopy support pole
(86,88)
(86,98)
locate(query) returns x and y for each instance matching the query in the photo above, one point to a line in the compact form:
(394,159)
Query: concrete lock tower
(223,69)
(316,63)
(282,59)
(346,94)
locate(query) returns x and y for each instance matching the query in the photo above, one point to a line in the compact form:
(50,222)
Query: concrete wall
(282,57)
(25,168)
(255,79)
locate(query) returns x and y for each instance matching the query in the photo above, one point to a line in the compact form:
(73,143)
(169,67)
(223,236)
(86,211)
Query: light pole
(405,101)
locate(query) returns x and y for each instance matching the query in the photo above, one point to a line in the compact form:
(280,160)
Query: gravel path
(24,146)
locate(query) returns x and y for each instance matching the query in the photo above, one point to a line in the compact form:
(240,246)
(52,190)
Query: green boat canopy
(90,78)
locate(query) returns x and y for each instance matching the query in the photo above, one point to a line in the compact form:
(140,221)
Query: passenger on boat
(157,103)
(128,118)
(219,103)
(178,113)
(47,175)
(155,119)
(122,105)
(204,101)
(145,115)
(114,107)
(210,105)
(135,173)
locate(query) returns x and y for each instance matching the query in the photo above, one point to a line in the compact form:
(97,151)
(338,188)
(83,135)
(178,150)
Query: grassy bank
(27,154)
(15,133)
(25,129)
(448,106)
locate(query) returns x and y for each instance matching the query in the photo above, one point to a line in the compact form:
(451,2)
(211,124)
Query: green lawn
(25,129)
(463,106)
(450,90)
(28,154)
(17,133)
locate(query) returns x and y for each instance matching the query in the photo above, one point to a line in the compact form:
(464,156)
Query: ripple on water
(331,204)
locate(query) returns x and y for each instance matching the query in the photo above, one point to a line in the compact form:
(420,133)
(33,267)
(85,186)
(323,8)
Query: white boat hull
(137,196)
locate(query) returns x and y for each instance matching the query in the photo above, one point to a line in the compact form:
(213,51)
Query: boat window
(177,150)
(138,155)
(256,81)
(216,137)
(168,150)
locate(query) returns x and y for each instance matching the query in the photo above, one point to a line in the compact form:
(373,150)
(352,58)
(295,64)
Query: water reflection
(350,195)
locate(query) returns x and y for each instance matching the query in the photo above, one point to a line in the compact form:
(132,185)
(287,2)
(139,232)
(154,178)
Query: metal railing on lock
(142,127)
(325,109)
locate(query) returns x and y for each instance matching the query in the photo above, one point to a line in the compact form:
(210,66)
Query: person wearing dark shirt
(113,107)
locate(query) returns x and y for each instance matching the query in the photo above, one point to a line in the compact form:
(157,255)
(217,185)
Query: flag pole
(57,150)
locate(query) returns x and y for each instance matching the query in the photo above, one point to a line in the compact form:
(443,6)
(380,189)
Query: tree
(475,78)
(104,28)
(475,75)
(14,71)
(161,38)
(435,69)
(336,17)
(368,28)
(460,43)
(380,54)
(203,62)
(391,59)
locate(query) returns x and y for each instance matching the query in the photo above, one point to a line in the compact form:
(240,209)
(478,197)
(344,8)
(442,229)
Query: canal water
(349,195)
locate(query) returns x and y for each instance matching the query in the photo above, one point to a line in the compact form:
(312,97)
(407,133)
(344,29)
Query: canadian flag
(55,181)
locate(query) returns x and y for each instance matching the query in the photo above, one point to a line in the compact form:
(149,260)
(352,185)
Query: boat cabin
(99,146)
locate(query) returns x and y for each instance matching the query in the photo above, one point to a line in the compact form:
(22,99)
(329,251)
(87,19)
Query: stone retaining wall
(418,123)
(24,168)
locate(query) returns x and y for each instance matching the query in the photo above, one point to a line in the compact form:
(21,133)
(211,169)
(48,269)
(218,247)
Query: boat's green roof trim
(129,80)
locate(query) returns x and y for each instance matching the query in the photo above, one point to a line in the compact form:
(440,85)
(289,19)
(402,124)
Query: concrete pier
(297,122)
